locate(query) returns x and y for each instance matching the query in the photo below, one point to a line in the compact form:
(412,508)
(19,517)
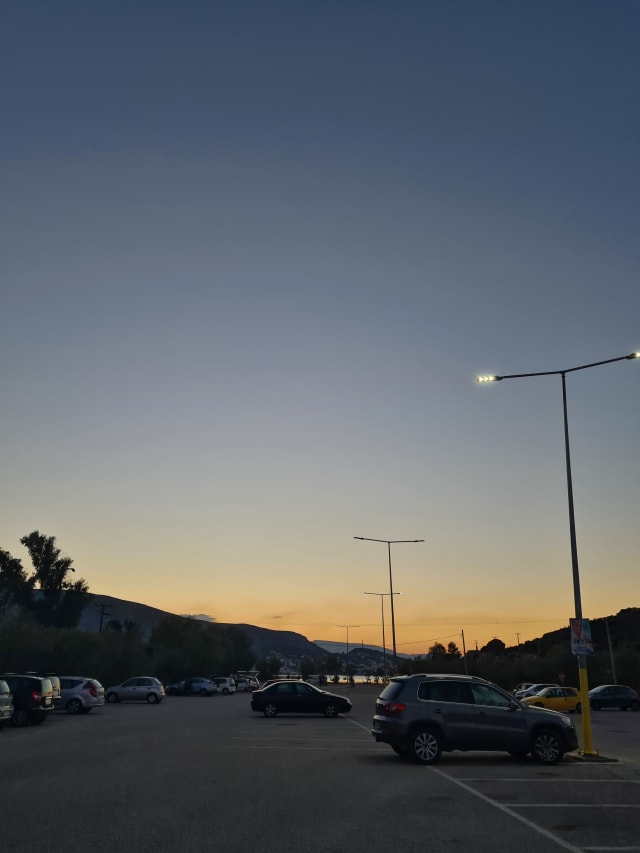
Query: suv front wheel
(424,746)
(547,747)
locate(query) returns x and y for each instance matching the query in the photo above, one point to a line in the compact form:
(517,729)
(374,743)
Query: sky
(253,256)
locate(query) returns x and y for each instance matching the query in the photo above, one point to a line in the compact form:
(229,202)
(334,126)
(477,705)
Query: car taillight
(92,690)
(37,697)
(393,708)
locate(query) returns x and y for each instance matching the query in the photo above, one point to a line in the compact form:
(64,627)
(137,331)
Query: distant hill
(286,645)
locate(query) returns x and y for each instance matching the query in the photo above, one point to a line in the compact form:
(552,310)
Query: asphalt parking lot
(205,773)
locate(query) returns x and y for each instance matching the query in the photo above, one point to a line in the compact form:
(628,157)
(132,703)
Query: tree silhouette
(56,601)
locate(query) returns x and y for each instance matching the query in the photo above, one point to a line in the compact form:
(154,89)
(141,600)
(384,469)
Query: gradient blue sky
(253,256)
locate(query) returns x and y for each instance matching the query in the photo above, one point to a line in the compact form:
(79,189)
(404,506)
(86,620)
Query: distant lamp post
(389,543)
(384,645)
(347,656)
(582,659)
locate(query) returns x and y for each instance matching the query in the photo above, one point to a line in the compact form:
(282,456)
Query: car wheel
(424,746)
(20,718)
(547,747)
(596,705)
(331,710)
(635,705)
(152,698)
(270,710)
(74,706)
(112,697)
(204,692)
(225,691)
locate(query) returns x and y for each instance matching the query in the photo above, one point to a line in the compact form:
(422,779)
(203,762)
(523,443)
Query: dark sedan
(297,697)
(614,696)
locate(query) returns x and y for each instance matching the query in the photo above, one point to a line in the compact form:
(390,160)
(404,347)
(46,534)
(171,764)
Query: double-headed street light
(582,659)
(389,543)
(384,646)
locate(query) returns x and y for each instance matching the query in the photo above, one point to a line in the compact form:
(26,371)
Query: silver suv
(421,716)
(79,694)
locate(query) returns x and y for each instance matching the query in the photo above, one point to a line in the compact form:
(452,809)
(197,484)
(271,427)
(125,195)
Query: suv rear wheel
(424,746)
(74,706)
(547,747)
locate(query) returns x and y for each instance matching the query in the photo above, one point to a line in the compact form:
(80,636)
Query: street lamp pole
(389,543)
(582,659)
(384,645)
(347,656)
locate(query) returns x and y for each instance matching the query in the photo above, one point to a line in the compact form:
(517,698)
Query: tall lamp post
(347,656)
(582,659)
(384,645)
(389,543)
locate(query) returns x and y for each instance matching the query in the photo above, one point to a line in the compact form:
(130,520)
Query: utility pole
(103,613)
(613,665)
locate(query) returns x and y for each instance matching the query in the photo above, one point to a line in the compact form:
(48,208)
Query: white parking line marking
(510,812)
(300,748)
(359,725)
(598,781)
(572,805)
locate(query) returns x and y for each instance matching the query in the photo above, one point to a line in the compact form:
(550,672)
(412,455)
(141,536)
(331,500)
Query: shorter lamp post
(384,646)
(347,656)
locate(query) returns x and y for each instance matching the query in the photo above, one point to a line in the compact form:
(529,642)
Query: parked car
(141,689)
(199,687)
(225,686)
(614,696)
(420,716)
(532,690)
(32,698)
(297,697)
(524,685)
(174,689)
(79,694)
(246,684)
(55,685)
(556,698)
(6,703)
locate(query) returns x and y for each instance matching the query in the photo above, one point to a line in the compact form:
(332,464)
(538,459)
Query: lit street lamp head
(488,378)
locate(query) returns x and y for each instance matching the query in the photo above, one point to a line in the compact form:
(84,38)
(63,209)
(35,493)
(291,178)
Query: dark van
(32,698)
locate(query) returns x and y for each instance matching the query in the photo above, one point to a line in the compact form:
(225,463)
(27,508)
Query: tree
(494,647)
(59,602)
(307,668)
(15,586)
(437,650)
(453,651)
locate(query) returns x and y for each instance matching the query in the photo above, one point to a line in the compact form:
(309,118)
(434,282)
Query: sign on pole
(581,642)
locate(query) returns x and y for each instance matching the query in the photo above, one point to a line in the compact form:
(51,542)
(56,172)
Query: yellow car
(556,699)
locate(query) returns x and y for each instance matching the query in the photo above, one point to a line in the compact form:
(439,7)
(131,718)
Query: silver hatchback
(144,688)
(79,694)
